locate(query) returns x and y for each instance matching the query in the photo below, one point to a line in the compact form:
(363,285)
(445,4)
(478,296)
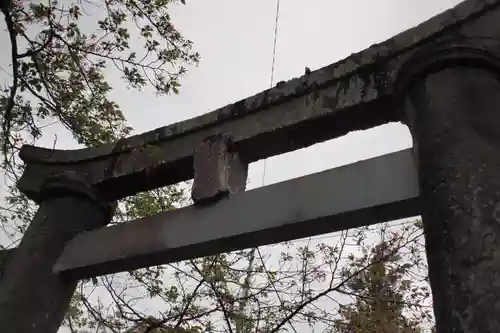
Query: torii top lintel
(353,94)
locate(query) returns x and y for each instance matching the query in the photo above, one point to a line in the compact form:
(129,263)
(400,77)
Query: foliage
(383,294)
(62,53)
(336,284)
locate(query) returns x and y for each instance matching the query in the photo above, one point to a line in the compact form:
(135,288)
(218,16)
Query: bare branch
(337,287)
(5,7)
(33,51)
(273,284)
(219,300)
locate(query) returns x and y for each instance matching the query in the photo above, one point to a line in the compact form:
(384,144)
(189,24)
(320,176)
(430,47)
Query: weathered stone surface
(454,114)
(5,255)
(337,199)
(33,298)
(353,94)
(218,170)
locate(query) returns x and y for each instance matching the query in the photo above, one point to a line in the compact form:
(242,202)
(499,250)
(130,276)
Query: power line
(272,70)
(275,38)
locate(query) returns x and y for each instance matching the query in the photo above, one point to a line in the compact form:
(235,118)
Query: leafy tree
(383,297)
(62,53)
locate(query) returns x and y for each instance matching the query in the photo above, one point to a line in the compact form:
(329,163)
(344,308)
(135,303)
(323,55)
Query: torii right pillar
(451,99)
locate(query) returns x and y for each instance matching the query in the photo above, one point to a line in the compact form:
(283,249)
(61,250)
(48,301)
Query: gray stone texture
(34,299)
(342,198)
(352,94)
(218,170)
(450,103)
(454,116)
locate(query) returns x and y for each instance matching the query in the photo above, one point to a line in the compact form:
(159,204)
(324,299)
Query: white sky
(235,39)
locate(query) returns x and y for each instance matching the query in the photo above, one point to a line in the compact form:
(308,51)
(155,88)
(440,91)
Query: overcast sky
(235,39)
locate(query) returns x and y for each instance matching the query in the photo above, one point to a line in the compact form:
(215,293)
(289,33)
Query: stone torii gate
(441,78)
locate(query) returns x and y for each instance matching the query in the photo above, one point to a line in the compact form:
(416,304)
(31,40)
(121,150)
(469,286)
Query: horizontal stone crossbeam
(353,94)
(367,192)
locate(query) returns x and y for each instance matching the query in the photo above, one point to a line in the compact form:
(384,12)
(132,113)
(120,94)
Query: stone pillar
(218,170)
(452,102)
(32,298)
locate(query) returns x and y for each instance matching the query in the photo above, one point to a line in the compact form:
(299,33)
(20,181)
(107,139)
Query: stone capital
(72,184)
(456,51)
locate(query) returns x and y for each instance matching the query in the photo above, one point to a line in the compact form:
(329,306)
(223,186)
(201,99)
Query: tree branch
(272,284)
(188,303)
(388,300)
(337,287)
(183,312)
(5,7)
(219,300)
(33,52)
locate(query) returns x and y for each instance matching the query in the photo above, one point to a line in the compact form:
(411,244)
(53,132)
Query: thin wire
(275,38)
(272,70)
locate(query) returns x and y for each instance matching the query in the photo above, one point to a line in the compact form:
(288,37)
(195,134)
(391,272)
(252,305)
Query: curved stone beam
(353,94)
